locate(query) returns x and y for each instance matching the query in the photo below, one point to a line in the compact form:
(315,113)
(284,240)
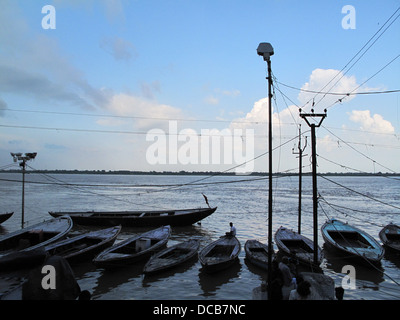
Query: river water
(366,202)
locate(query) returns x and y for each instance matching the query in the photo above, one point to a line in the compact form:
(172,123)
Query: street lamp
(23,159)
(266,51)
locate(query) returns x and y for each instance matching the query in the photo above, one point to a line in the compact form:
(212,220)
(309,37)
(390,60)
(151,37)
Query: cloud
(215,97)
(119,48)
(146,114)
(374,123)
(149,90)
(212,100)
(318,81)
(33,65)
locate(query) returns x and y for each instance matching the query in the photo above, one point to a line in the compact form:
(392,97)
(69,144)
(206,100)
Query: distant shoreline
(192,173)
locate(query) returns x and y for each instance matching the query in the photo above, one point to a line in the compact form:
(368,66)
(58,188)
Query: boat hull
(183,217)
(257,253)
(5,216)
(172,256)
(134,249)
(390,237)
(20,247)
(84,246)
(351,242)
(220,254)
(297,246)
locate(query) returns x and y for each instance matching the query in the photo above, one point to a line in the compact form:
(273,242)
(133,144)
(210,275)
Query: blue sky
(114,70)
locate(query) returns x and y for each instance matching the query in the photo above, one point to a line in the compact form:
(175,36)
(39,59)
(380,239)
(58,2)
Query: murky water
(366,202)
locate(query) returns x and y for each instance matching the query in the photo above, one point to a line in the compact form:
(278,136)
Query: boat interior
(349,239)
(297,246)
(26,240)
(137,246)
(221,251)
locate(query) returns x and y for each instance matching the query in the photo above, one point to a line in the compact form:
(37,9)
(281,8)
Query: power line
(130,117)
(340,93)
(341,71)
(364,155)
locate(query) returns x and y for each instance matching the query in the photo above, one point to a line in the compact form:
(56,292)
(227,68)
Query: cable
(340,93)
(359,193)
(380,70)
(369,158)
(130,117)
(339,72)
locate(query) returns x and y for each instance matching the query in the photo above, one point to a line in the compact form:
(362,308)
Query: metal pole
(23,194)
(314,174)
(270,248)
(300,178)
(315,194)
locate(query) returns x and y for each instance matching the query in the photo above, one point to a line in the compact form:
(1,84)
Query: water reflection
(210,283)
(364,271)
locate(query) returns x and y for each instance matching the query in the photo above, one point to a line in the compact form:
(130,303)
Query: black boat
(133,249)
(5,216)
(85,245)
(351,241)
(24,246)
(220,254)
(390,236)
(153,218)
(297,246)
(257,253)
(172,256)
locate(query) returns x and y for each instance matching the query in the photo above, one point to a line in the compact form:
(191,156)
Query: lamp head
(265,50)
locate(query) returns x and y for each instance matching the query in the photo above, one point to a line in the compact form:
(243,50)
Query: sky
(170,85)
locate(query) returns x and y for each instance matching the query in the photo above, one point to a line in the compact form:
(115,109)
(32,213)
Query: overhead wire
(344,73)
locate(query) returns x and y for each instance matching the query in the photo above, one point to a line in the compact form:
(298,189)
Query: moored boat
(5,216)
(85,245)
(297,246)
(154,218)
(220,254)
(172,256)
(133,249)
(351,241)
(390,236)
(19,247)
(257,253)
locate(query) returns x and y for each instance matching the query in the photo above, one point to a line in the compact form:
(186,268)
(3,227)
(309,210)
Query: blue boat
(351,241)
(390,236)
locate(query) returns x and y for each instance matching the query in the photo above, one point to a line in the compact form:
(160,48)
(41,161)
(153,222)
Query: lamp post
(266,51)
(23,159)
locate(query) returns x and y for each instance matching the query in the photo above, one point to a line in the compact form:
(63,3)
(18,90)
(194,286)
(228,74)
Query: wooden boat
(257,253)
(156,218)
(19,247)
(84,246)
(133,249)
(172,256)
(220,254)
(297,246)
(5,216)
(390,236)
(351,241)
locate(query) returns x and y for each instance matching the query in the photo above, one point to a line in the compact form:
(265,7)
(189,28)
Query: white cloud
(147,113)
(374,123)
(318,81)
